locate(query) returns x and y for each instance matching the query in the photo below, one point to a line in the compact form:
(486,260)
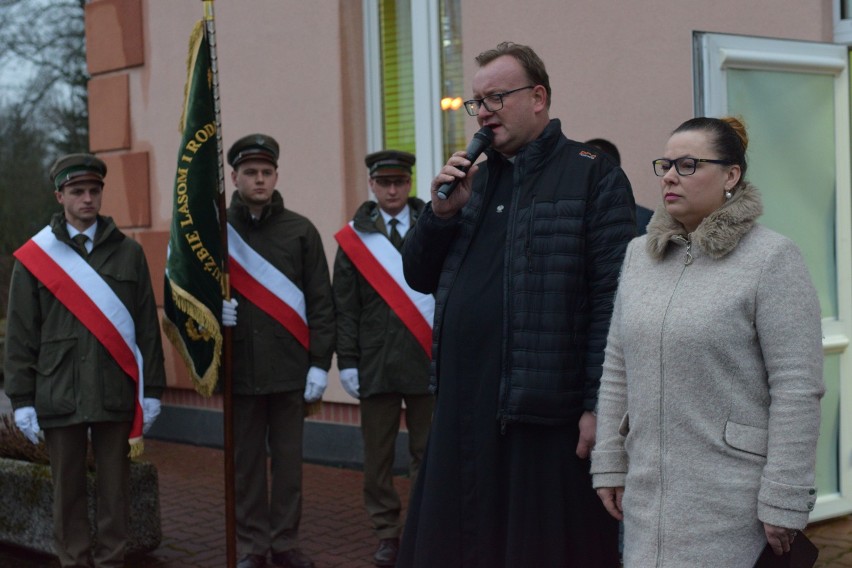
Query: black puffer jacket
(572,217)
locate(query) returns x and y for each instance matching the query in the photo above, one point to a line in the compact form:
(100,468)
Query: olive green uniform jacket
(267,358)
(55,364)
(370,336)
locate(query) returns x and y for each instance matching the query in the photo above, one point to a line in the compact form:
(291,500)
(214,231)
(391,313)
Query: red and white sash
(267,287)
(87,295)
(380,264)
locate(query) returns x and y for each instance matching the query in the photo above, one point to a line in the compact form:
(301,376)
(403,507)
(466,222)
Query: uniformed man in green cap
(283,343)
(382,360)
(84,359)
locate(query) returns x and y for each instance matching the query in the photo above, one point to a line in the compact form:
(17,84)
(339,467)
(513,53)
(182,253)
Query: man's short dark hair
(529,60)
(607,147)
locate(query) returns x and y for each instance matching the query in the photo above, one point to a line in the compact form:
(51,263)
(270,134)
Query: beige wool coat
(709,405)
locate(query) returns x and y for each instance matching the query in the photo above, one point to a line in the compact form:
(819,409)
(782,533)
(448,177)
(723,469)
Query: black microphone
(481,141)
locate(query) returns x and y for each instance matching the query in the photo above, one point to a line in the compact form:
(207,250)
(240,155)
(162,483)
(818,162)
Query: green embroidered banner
(194,282)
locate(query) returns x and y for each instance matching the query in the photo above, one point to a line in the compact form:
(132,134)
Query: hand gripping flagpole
(227,366)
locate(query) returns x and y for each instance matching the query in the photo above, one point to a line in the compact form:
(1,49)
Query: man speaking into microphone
(523,257)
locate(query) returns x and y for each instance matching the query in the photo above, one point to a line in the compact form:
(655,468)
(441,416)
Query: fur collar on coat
(718,234)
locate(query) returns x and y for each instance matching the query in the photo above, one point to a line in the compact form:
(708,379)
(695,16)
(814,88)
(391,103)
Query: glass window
(414,81)
(828,447)
(453,89)
(794,97)
(397,81)
(795,173)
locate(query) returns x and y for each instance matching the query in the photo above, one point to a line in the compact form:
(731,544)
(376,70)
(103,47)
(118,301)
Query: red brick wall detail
(154,243)
(114,35)
(109,113)
(127,190)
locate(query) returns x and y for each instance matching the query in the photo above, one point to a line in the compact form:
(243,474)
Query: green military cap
(389,160)
(254,147)
(77,167)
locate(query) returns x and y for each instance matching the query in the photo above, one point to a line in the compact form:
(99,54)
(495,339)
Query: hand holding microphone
(481,140)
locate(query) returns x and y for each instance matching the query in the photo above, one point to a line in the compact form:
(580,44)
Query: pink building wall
(294,69)
(623,70)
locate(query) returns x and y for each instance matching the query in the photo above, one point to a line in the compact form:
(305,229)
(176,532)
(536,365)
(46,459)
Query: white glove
(349,380)
(316,382)
(150,411)
(229,312)
(27,423)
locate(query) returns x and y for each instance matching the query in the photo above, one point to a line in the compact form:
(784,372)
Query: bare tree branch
(43,112)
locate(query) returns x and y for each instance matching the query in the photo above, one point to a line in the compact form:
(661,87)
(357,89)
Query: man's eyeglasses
(683,166)
(492,103)
(387,181)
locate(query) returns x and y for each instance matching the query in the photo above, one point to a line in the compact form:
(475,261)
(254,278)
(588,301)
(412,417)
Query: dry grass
(14,445)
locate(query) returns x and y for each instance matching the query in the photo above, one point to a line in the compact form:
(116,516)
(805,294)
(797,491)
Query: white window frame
(716,53)
(427,81)
(842,27)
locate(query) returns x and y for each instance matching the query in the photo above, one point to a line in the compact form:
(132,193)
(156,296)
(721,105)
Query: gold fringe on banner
(194,39)
(207,327)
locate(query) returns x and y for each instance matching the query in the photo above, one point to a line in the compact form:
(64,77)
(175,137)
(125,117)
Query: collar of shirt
(89,232)
(404,218)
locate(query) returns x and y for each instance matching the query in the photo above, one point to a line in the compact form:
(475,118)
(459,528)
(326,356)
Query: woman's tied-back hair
(529,60)
(728,136)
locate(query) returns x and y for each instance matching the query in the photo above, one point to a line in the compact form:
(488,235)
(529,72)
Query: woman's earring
(727,194)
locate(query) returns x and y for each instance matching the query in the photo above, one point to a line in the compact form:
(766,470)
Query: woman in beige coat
(708,411)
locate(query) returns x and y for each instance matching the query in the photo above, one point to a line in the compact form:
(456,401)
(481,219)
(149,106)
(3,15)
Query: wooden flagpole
(227,333)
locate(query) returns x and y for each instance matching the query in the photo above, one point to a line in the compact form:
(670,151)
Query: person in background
(280,363)
(643,214)
(380,344)
(523,259)
(709,406)
(84,360)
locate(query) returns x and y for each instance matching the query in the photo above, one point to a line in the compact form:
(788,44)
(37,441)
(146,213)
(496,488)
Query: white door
(794,97)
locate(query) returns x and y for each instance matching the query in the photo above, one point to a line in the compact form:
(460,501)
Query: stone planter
(26,506)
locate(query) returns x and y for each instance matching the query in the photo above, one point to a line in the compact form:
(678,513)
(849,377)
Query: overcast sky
(37,16)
